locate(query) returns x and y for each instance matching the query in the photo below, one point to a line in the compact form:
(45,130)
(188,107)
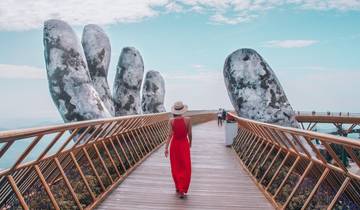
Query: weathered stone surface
(69,80)
(153,93)
(97,51)
(127,84)
(254,89)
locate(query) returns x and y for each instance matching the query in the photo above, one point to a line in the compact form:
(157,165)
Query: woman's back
(180,160)
(179,128)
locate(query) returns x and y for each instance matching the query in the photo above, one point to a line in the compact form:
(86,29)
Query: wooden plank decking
(218,180)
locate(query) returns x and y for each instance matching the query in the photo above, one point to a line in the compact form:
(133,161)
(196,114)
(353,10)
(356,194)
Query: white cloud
(174,7)
(328,4)
(299,43)
(8,71)
(198,66)
(25,14)
(221,19)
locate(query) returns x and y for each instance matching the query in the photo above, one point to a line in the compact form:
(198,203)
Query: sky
(313,46)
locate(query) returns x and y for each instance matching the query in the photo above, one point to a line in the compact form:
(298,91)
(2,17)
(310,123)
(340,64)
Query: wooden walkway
(218,180)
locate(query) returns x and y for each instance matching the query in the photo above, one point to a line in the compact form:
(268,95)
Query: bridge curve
(218,180)
(344,123)
(328,117)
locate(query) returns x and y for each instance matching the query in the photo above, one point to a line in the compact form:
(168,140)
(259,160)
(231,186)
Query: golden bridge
(117,163)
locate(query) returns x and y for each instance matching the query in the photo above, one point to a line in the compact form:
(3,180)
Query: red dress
(180,155)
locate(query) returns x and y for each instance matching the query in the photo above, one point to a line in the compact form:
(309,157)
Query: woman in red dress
(180,137)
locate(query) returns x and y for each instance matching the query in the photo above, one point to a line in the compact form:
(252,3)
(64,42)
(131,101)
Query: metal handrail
(283,161)
(334,114)
(82,160)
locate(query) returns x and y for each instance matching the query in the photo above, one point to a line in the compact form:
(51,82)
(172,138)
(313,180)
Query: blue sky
(313,47)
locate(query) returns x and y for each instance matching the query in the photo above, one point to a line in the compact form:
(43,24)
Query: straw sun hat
(179,108)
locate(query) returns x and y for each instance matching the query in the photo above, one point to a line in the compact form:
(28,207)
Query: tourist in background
(223,115)
(219,117)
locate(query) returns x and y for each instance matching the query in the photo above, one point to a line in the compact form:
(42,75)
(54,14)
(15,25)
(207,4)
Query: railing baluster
(153,134)
(278,170)
(128,148)
(117,155)
(286,177)
(90,138)
(252,140)
(265,159)
(301,145)
(338,193)
(243,141)
(334,156)
(46,187)
(92,166)
(111,159)
(149,143)
(124,152)
(249,153)
(271,164)
(148,135)
(73,133)
(298,184)
(132,146)
(353,157)
(5,148)
(46,150)
(136,139)
(260,155)
(318,154)
(256,152)
(17,192)
(247,141)
(311,195)
(97,152)
(82,176)
(237,138)
(142,140)
(26,152)
(68,185)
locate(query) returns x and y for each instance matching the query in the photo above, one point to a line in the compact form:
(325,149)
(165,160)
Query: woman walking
(180,139)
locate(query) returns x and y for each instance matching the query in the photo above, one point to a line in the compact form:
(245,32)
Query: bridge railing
(298,169)
(333,114)
(75,165)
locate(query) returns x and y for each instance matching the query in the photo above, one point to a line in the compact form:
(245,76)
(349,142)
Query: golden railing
(336,118)
(75,165)
(334,114)
(298,169)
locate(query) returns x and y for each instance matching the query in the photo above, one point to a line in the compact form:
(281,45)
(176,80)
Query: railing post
(46,187)
(323,176)
(17,192)
(298,184)
(67,182)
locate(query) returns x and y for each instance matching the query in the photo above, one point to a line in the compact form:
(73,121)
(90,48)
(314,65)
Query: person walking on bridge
(219,117)
(180,139)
